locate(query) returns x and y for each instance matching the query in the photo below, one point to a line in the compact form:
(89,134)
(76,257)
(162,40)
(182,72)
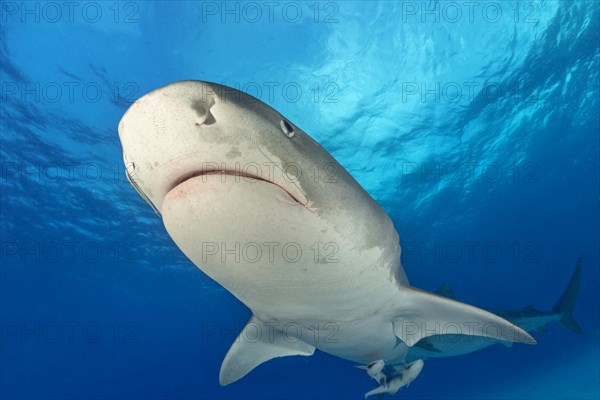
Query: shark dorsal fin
(445,290)
(529,309)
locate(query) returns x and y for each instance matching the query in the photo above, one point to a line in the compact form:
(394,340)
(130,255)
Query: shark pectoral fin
(257,343)
(425,314)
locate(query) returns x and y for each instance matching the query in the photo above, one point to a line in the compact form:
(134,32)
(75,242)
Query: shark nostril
(210,119)
(286,128)
(202,109)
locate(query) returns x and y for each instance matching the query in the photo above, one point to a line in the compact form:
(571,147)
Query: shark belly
(302,278)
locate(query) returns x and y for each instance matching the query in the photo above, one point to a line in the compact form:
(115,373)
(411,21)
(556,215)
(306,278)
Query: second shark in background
(393,378)
(529,319)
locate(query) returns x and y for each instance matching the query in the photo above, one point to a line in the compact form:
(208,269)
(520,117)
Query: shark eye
(286,128)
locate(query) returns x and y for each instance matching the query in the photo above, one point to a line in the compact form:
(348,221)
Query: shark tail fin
(565,304)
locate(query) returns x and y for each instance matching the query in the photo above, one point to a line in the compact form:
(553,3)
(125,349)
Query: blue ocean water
(474,124)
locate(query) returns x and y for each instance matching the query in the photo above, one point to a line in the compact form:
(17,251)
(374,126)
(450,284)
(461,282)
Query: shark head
(207,157)
(194,128)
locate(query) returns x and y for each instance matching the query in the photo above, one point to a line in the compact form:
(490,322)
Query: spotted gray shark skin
(529,319)
(183,145)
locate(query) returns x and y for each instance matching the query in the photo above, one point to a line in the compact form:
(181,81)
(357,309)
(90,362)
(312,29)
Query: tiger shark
(265,211)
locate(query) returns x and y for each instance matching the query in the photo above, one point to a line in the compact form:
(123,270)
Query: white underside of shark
(342,289)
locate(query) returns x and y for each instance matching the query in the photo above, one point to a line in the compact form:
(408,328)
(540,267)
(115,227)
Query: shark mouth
(141,192)
(292,190)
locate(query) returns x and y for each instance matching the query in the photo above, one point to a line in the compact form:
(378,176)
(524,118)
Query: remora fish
(341,286)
